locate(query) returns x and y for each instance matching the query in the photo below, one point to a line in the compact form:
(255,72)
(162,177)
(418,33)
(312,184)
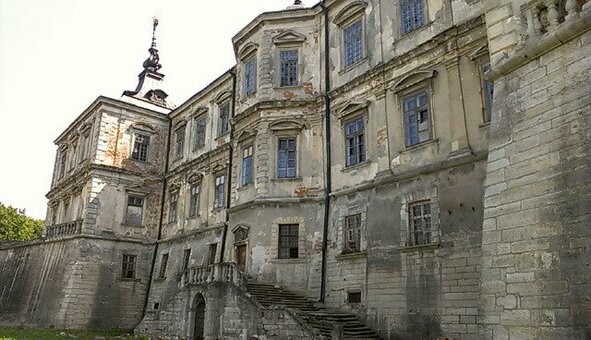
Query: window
(83,147)
(186,258)
(73,158)
(487,92)
(140,148)
(200,126)
(355,141)
(219,191)
(194,200)
(128,269)
(172,210)
(163,264)
(354,297)
(53,215)
(420,223)
(288,241)
(135,210)
(247,163)
(213,248)
(286,158)
(353,43)
(250,83)
(223,120)
(352,233)
(288,66)
(411,15)
(179,142)
(416,118)
(63,160)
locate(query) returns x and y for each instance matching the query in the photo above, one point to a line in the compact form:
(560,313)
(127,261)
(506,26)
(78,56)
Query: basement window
(354,297)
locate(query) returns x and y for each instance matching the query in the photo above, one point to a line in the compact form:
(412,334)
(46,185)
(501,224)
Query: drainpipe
(229,172)
(327,175)
(164,183)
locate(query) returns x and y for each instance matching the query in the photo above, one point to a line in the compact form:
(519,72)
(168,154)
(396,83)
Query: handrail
(227,272)
(63,229)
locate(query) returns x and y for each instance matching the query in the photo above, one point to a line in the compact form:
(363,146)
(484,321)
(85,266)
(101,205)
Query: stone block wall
(536,235)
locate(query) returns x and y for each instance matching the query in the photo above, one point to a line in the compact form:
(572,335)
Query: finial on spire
(153,62)
(297,2)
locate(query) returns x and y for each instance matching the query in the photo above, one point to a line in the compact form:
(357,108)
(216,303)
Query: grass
(9,333)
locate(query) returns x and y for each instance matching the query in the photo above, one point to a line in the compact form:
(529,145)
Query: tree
(15,225)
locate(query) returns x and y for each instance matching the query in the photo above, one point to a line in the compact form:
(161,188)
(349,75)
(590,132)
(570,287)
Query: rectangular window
(83,146)
(355,141)
(353,297)
(224,119)
(411,15)
(487,92)
(353,43)
(186,258)
(219,191)
(179,145)
(352,233)
(194,200)
(63,162)
(288,66)
(213,249)
(135,210)
(420,223)
(200,127)
(163,264)
(140,148)
(417,124)
(288,241)
(128,270)
(247,164)
(173,204)
(250,83)
(286,158)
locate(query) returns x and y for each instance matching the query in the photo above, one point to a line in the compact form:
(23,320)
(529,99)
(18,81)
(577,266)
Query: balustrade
(218,272)
(545,16)
(63,229)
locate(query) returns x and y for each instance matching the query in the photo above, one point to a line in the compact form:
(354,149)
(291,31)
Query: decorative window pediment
(143,127)
(240,233)
(200,110)
(289,37)
(349,12)
(245,134)
(479,52)
(247,50)
(413,79)
(351,108)
(180,124)
(288,124)
(218,168)
(223,96)
(194,177)
(174,185)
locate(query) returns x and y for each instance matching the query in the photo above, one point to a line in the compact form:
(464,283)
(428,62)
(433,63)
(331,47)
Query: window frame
(247,153)
(194,199)
(361,155)
(424,16)
(487,101)
(186,259)
(179,141)
(173,201)
(136,154)
(223,124)
(126,272)
(290,237)
(163,266)
(250,90)
(412,240)
(199,142)
(280,66)
(414,93)
(348,228)
(347,25)
(219,189)
(132,197)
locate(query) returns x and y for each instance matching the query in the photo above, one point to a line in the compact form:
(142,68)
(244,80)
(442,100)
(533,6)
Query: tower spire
(153,62)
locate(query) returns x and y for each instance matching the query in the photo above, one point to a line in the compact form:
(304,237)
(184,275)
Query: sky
(57,56)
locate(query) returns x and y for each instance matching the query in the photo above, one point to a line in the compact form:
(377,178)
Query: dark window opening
(288,241)
(128,269)
(354,297)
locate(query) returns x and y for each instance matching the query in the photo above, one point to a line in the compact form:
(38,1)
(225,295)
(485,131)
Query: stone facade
(358,156)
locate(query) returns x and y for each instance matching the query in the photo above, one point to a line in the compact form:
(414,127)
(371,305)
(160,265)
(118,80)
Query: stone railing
(227,272)
(63,229)
(545,16)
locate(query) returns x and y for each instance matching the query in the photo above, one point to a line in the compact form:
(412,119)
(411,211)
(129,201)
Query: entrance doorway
(199,315)
(241,256)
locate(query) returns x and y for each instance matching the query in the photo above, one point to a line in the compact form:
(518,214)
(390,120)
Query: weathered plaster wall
(72,283)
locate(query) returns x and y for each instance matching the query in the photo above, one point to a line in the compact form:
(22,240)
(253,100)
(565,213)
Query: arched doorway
(198,317)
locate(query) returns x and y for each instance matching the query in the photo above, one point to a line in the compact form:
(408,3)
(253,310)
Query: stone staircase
(323,320)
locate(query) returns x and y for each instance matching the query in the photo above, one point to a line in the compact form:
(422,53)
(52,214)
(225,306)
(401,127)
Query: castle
(395,169)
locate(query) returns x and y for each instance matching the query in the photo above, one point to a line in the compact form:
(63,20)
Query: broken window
(219,191)
(247,165)
(487,92)
(140,148)
(288,67)
(186,258)
(173,204)
(353,43)
(224,119)
(128,270)
(288,241)
(250,76)
(420,223)
(352,233)
(179,142)
(135,210)
(286,158)
(411,15)
(200,128)
(194,200)
(355,141)
(163,264)
(417,125)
